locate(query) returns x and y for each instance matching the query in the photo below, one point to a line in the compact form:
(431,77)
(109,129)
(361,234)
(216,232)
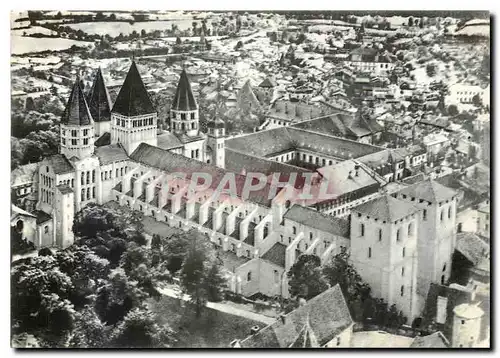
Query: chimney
(356,168)
(254,329)
(283,318)
(350,174)
(302,301)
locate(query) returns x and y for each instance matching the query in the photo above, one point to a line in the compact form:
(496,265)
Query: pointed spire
(98,99)
(133,98)
(77,111)
(184,99)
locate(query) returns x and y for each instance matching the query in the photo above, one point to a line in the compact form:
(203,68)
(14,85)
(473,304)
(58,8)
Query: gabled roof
(15,210)
(386,208)
(110,153)
(306,338)
(327,314)
(472,247)
(98,99)
(429,190)
(76,112)
(246,97)
(315,219)
(276,254)
(184,99)
(133,98)
(104,139)
(59,163)
(434,340)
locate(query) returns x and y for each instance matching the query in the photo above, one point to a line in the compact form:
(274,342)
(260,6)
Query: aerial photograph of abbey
(250,179)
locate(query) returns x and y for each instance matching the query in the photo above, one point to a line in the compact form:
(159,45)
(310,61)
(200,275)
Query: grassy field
(213,329)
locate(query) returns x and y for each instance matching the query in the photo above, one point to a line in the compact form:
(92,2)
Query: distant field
(115,28)
(21,45)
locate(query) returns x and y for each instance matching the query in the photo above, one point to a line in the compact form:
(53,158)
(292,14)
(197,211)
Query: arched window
(294,230)
(402,271)
(379,234)
(444,267)
(362,230)
(449,212)
(404,251)
(398,234)
(276,276)
(410,229)
(402,290)
(249,276)
(369,252)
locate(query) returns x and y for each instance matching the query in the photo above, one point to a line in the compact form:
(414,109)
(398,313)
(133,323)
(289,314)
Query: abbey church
(400,237)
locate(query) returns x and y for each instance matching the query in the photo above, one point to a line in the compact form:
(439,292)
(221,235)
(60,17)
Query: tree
(340,271)
(305,278)
(476,100)
(140,330)
(198,277)
(410,21)
(178,41)
(215,283)
(452,110)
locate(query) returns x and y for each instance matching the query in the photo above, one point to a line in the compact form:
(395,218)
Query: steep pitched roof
(77,111)
(276,254)
(306,338)
(429,190)
(59,163)
(105,139)
(184,99)
(386,208)
(246,98)
(98,99)
(472,247)
(133,98)
(328,316)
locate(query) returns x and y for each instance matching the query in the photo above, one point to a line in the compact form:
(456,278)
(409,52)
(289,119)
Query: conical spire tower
(184,110)
(77,125)
(99,104)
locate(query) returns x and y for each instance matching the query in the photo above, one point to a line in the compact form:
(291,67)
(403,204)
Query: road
(220,307)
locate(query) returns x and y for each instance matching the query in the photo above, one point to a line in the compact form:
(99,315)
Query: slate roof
(434,340)
(327,314)
(386,208)
(282,139)
(110,154)
(472,247)
(168,140)
(306,338)
(171,162)
(315,219)
(42,217)
(340,182)
(23,174)
(246,97)
(59,163)
(133,98)
(430,191)
(98,99)
(276,254)
(184,99)
(77,111)
(105,139)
